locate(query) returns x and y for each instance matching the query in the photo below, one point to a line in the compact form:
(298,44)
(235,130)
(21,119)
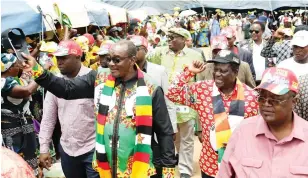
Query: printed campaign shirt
(198,96)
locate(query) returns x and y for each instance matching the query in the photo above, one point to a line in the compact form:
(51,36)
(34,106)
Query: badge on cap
(224,53)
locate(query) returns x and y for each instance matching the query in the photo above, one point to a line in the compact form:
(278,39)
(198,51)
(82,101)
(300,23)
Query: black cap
(226,57)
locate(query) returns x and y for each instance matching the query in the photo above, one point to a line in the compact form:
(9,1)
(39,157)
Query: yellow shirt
(94,66)
(90,57)
(54,69)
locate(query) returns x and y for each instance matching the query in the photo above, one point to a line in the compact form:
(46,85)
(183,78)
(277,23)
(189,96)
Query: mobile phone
(15,39)
(44,58)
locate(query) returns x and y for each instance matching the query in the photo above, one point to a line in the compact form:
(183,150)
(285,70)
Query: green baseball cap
(180,31)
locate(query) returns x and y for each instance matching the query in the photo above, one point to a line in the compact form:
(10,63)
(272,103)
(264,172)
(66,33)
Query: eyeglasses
(276,102)
(172,37)
(116,60)
(256,31)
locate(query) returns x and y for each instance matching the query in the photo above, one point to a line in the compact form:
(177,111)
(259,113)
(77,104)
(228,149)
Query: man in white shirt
(299,62)
(255,45)
(297,20)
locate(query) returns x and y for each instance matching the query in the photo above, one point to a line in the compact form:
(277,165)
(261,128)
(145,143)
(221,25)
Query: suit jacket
(160,76)
(246,56)
(244,74)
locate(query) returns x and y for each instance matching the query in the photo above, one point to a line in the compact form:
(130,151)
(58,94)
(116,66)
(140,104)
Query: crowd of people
(128,100)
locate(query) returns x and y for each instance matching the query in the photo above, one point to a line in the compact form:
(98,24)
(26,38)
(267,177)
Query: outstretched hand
(196,67)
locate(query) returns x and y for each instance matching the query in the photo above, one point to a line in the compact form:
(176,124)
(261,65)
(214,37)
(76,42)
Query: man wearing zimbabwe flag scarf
(130,108)
(221,103)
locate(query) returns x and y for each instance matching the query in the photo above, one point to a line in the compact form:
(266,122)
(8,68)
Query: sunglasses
(115,60)
(256,31)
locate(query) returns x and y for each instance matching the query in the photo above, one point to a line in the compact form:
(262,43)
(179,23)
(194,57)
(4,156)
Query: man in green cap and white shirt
(174,58)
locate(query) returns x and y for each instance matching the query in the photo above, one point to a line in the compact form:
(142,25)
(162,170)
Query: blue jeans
(78,167)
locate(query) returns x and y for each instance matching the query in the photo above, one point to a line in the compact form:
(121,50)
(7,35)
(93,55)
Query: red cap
(228,32)
(279,81)
(90,38)
(68,47)
(139,41)
(219,42)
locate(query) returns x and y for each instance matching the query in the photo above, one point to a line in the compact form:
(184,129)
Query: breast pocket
(299,171)
(251,167)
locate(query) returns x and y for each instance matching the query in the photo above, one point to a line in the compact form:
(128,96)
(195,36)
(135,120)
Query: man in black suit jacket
(243,54)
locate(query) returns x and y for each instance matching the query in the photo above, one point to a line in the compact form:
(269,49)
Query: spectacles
(171,37)
(276,102)
(256,31)
(116,60)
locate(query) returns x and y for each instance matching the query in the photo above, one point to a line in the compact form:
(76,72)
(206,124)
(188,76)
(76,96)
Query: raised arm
(79,87)
(182,92)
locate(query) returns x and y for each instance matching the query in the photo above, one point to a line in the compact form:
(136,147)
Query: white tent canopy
(77,11)
(77,14)
(117,14)
(166,6)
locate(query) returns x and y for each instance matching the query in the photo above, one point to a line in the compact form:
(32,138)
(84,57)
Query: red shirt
(235,50)
(198,96)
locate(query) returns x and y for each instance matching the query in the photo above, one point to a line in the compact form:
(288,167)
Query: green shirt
(174,65)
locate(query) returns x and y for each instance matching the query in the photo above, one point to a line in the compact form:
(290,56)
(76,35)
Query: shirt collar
(145,67)
(182,52)
(257,44)
(82,71)
(297,131)
(119,81)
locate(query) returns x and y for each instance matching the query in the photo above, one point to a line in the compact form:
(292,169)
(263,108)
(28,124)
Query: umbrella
(18,14)
(187,13)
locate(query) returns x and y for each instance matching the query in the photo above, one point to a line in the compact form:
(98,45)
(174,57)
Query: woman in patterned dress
(215,30)
(16,119)
(203,36)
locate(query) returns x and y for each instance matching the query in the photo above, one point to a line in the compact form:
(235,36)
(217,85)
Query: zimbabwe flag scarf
(226,122)
(142,151)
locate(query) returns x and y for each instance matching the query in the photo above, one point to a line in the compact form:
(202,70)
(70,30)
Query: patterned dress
(215,28)
(199,97)
(17,124)
(301,107)
(203,36)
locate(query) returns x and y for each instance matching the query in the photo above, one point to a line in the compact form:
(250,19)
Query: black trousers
(159,173)
(205,176)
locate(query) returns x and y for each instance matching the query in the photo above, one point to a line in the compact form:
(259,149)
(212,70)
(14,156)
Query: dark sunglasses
(256,31)
(115,60)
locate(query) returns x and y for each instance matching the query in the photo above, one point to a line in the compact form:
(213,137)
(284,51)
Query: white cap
(300,39)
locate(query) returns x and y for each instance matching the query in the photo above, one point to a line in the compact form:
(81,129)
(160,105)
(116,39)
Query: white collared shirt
(258,60)
(298,68)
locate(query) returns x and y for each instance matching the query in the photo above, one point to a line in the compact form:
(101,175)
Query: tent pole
(42,37)
(305,11)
